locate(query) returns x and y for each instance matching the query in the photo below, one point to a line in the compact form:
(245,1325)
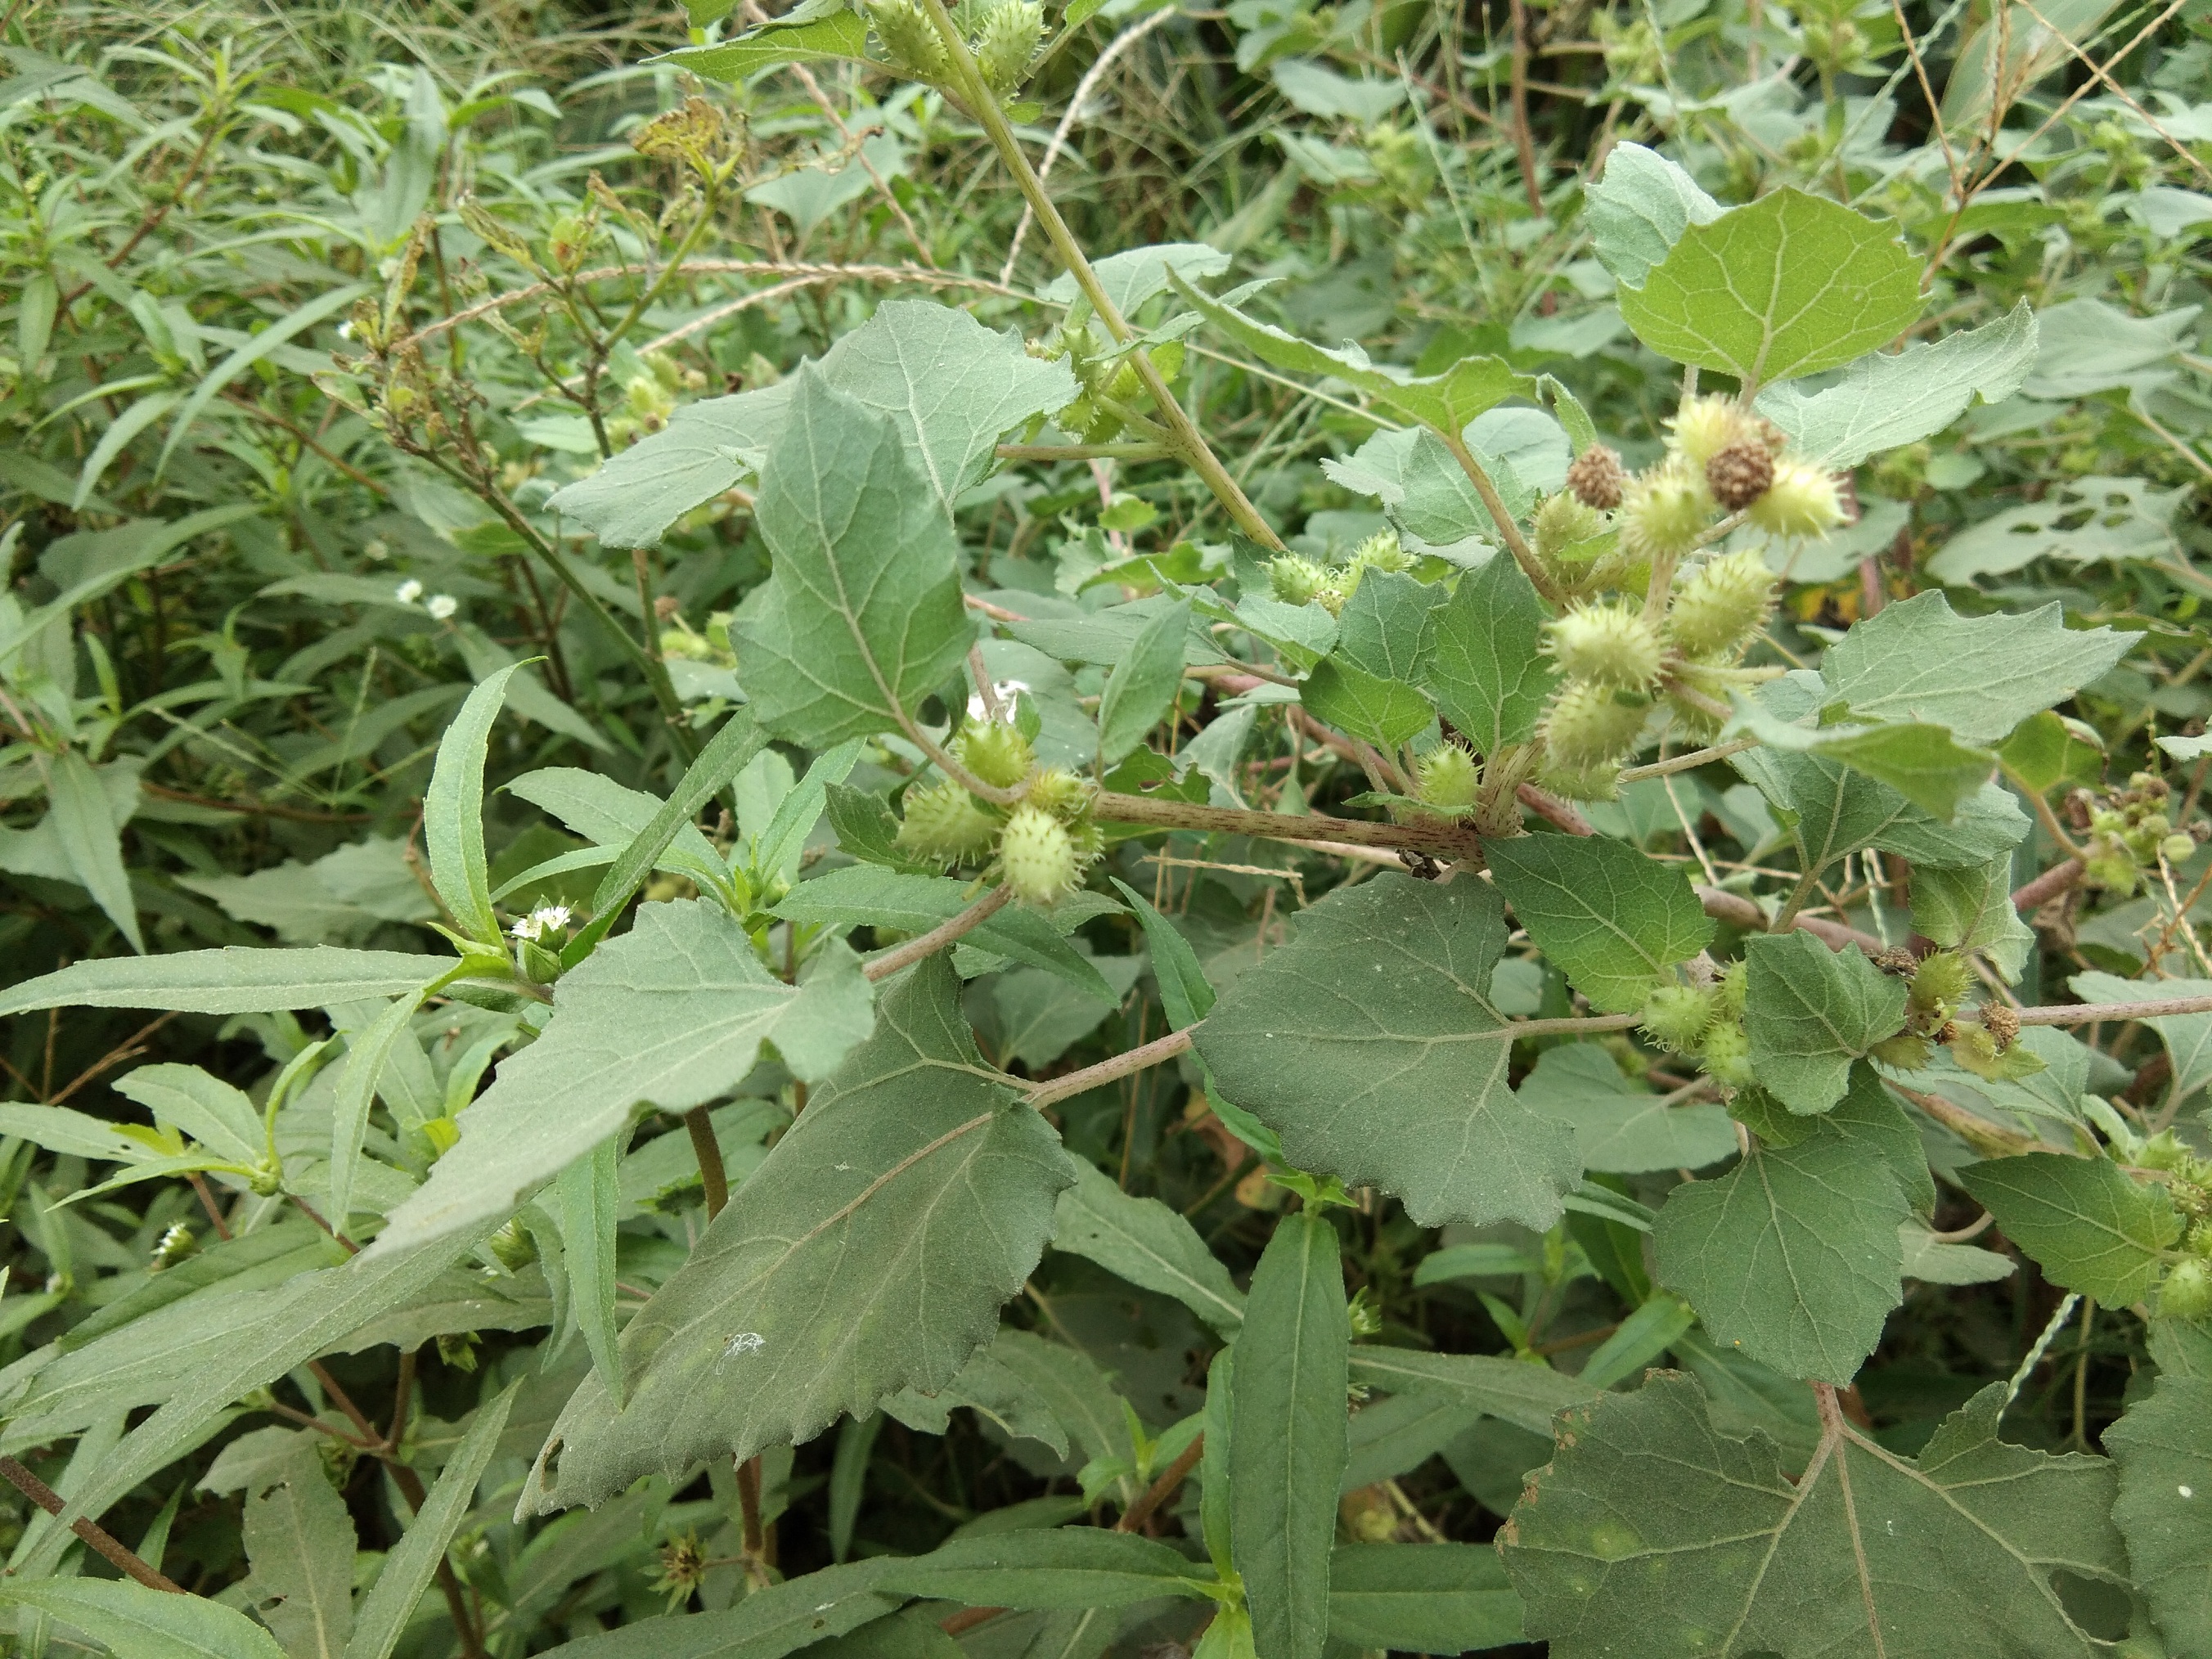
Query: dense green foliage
(928,831)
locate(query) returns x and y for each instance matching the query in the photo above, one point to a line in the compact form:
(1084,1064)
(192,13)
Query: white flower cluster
(440,606)
(551,919)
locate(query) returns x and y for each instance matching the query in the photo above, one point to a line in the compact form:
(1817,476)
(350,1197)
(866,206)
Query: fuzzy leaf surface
(2164,1449)
(1810,1011)
(862,618)
(1369,1044)
(1651,1533)
(235,980)
(300,1541)
(1891,399)
(1623,1128)
(1526,1396)
(1485,669)
(1612,919)
(1978,677)
(1288,1440)
(869,1252)
(672,1013)
(2089,1227)
(1791,284)
(146,1623)
(1792,1256)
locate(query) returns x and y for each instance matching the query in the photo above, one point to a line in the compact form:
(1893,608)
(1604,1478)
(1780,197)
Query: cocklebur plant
(1674,1102)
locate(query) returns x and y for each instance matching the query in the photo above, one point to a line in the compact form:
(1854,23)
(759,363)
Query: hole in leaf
(2101,1609)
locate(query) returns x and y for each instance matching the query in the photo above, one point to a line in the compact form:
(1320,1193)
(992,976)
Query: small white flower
(441,605)
(345,329)
(408,592)
(551,917)
(376,550)
(529,928)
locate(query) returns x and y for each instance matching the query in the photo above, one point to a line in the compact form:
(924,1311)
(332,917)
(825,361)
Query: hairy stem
(1182,434)
(1448,841)
(923,945)
(85,1528)
(1108,1070)
(1524,555)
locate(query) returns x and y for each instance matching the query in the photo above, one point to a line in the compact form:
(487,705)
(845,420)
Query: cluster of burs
(1040,846)
(1656,620)
(1002,35)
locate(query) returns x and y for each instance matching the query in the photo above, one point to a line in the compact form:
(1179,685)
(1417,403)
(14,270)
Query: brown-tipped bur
(1740,474)
(1597,479)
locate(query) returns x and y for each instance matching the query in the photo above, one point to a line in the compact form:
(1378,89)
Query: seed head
(995,752)
(1664,512)
(908,38)
(1590,726)
(1562,521)
(1675,1016)
(1739,474)
(1802,500)
(1606,644)
(1295,581)
(1038,857)
(1008,44)
(1597,479)
(944,825)
(1447,778)
(1720,605)
(1704,427)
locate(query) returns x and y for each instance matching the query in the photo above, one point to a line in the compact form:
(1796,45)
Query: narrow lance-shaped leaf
(1067,1568)
(587,1199)
(1142,686)
(382,1617)
(1651,1534)
(1288,1438)
(86,824)
(871,1251)
(1145,1242)
(301,1542)
(453,812)
(366,1055)
(234,981)
(146,1623)
(1421,1598)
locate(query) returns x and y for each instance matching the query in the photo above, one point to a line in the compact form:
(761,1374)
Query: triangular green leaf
(863,617)
(1651,1535)
(1485,670)
(1976,676)
(871,1251)
(1789,285)
(1369,1044)
(1792,1256)
(1810,1011)
(674,1014)
(2089,1227)
(1612,919)
(2164,1449)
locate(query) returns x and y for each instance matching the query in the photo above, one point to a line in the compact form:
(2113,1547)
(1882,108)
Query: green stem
(1183,434)
(1524,555)
(1445,840)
